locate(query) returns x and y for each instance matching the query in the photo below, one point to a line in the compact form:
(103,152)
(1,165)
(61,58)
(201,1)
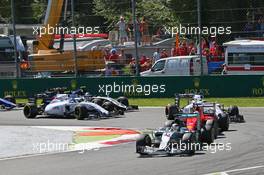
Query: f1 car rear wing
(191,115)
(189,96)
(184,95)
(208,108)
(205,104)
(188,115)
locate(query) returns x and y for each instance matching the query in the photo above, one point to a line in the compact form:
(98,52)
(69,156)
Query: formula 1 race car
(215,110)
(78,103)
(208,122)
(7,103)
(223,116)
(234,115)
(64,106)
(111,104)
(174,138)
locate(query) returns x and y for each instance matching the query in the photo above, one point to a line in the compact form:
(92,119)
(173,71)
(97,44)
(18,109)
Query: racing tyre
(188,139)
(30,111)
(123,100)
(233,111)
(10,98)
(210,136)
(209,132)
(216,127)
(108,106)
(80,112)
(240,118)
(142,141)
(170,111)
(121,112)
(225,126)
(98,101)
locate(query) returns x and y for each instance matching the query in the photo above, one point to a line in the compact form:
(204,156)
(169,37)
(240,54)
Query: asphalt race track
(245,158)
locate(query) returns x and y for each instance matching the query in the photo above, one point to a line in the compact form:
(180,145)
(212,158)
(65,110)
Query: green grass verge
(242,102)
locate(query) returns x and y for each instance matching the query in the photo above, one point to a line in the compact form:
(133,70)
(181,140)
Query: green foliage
(85,16)
(25,11)
(39,9)
(184,10)
(156,12)
(5,11)
(112,9)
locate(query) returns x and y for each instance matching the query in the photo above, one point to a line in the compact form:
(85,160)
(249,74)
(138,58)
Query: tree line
(162,12)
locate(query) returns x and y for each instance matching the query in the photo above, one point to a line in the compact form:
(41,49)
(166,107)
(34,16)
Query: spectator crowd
(254,29)
(210,47)
(126,30)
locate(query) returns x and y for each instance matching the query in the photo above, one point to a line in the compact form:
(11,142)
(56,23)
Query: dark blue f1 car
(7,103)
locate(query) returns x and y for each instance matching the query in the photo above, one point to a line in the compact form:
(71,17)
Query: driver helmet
(175,126)
(113,51)
(88,96)
(197,98)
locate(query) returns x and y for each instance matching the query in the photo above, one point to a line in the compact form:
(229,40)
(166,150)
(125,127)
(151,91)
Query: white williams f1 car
(78,107)
(78,103)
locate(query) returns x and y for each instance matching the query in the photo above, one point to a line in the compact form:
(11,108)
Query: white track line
(95,148)
(35,155)
(245,169)
(236,170)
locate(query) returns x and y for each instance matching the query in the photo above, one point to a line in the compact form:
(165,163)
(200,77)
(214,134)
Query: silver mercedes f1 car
(172,139)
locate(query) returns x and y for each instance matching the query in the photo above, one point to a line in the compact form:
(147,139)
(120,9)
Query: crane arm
(52,18)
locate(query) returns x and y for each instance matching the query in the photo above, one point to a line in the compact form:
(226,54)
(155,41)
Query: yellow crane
(47,59)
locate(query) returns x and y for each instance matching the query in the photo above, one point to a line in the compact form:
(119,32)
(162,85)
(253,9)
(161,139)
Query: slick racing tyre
(233,111)
(209,132)
(80,112)
(10,98)
(188,139)
(143,141)
(240,119)
(108,106)
(30,111)
(121,112)
(226,122)
(170,111)
(123,100)
(98,101)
